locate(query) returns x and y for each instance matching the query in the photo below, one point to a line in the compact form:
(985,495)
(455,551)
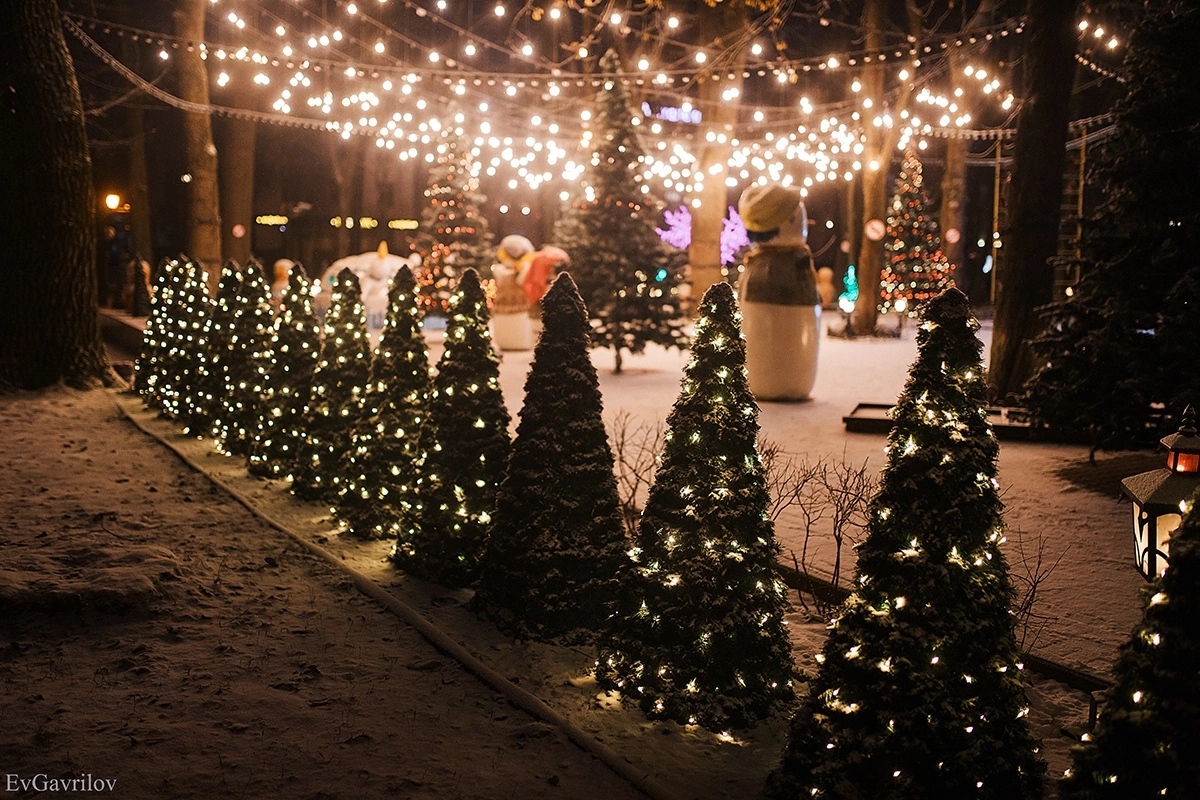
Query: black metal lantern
(1158,496)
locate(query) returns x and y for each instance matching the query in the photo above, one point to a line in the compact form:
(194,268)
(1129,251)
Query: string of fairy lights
(349,73)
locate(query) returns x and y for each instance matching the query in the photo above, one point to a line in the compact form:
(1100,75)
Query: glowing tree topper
(464,448)
(380,468)
(918,693)
(556,549)
(699,635)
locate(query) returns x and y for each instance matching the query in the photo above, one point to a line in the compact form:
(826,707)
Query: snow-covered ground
(160,634)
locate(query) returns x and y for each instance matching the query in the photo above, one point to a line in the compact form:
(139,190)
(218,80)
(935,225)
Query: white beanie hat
(767,208)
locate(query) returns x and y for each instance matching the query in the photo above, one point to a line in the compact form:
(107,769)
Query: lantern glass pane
(1183,462)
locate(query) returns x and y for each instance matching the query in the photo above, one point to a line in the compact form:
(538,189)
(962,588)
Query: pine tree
(627,275)
(156,363)
(1177,341)
(556,549)
(914,268)
(335,403)
(919,693)
(195,310)
(453,223)
(464,448)
(1103,367)
(699,636)
(296,349)
(1145,743)
(248,355)
(214,367)
(381,467)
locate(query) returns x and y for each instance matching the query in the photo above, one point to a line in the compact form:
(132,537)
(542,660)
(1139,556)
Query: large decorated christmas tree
(914,267)
(248,356)
(1145,743)
(380,468)
(699,635)
(556,550)
(919,691)
(453,224)
(295,350)
(1104,368)
(464,449)
(627,275)
(335,402)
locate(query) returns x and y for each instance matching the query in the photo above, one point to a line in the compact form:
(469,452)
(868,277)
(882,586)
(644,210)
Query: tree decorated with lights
(454,225)
(1104,365)
(556,549)
(464,449)
(218,338)
(295,350)
(380,468)
(156,365)
(338,386)
(195,310)
(914,266)
(1145,743)
(918,693)
(627,275)
(248,360)
(699,635)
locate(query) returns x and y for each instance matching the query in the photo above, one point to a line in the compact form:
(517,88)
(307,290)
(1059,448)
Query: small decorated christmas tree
(1145,743)
(381,467)
(154,370)
(919,693)
(195,310)
(296,349)
(335,403)
(218,338)
(699,636)
(556,549)
(248,357)
(464,446)
(628,276)
(453,223)
(914,268)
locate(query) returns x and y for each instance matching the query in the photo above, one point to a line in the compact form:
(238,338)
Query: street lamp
(112,201)
(1157,497)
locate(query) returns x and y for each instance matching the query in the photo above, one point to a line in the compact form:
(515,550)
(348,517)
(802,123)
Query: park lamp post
(1157,497)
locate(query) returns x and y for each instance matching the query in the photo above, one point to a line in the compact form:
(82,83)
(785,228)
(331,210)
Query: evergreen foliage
(338,385)
(699,635)
(218,338)
(157,362)
(381,467)
(453,224)
(248,358)
(918,693)
(628,276)
(556,550)
(1145,743)
(296,348)
(194,310)
(915,268)
(1104,359)
(464,447)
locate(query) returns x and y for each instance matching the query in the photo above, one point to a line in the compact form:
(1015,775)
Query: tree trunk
(200,154)
(1039,154)
(48,323)
(236,170)
(138,175)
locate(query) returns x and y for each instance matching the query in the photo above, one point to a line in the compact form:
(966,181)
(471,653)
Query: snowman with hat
(781,307)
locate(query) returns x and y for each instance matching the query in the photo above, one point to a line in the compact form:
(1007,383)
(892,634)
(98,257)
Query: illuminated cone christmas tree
(699,636)
(335,403)
(453,223)
(919,692)
(195,310)
(218,338)
(464,447)
(248,356)
(156,365)
(296,349)
(628,276)
(914,268)
(556,549)
(1145,743)
(381,467)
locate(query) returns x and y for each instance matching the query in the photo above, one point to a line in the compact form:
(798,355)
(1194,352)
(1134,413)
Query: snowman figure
(781,308)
